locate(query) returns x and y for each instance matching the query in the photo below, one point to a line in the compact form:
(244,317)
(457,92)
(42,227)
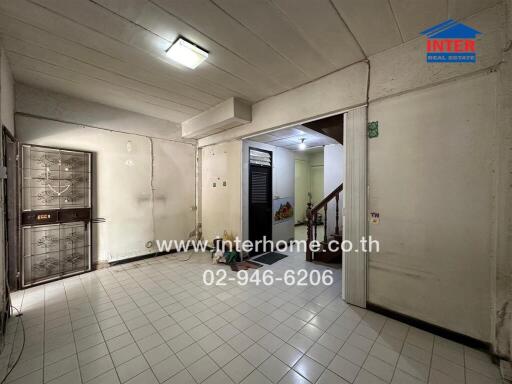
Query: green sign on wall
(373,129)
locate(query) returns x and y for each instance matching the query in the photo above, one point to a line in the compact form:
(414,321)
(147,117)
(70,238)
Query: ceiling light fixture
(302,145)
(186,53)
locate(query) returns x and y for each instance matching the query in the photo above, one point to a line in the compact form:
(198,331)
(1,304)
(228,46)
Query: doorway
(352,202)
(260,196)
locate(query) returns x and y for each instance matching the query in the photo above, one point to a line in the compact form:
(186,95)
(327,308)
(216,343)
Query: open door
(260,196)
(355,219)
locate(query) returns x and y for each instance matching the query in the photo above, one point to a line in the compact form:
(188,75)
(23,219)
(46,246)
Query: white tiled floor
(154,321)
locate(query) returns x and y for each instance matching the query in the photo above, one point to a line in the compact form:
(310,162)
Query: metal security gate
(56,213)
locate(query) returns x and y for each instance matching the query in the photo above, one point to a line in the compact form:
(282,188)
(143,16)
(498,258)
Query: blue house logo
(451,42)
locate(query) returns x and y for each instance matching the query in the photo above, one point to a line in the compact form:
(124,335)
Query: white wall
(302,186)
(439,143)
(316,157)
(317,179)
(7,93)
(501,273)
(434,192)
(309,178)
(283,180)
(221,205)
(144,186)
(334,175)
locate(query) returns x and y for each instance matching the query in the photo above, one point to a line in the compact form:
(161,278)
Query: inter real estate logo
(451,42)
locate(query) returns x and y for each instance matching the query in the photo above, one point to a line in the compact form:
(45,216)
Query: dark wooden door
(260,203)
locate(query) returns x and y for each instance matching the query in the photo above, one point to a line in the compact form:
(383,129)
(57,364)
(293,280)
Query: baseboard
(142,257)
(146,256)
(435,329)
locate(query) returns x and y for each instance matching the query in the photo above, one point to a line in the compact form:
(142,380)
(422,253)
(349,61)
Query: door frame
(12,256)
(271,167)
(355,212)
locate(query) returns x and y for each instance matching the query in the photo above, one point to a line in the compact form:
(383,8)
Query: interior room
(255,192)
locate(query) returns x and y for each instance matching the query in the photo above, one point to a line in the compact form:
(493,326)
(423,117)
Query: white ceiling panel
(112,51)
(86,37)
(21,49)
(414,16)
(270,24)
(131,9)
(208,18)
(167,26)
(372,22)
(263,138)
(285,142)
(290,138)
(458,9)
(89,91)
(25,33)
(288,132)
(119,30)
(28,64)
(321,25)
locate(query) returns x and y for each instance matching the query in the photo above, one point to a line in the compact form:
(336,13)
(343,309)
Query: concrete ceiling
(111,51)
(290,138)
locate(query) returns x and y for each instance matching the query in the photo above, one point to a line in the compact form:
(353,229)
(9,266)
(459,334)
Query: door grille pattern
(53,251)
(55,179)
(55,191)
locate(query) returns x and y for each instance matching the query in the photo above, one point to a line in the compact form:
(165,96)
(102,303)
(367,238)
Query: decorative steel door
(56,213)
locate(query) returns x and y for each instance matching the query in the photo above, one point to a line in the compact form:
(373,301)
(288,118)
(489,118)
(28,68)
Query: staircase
(325,255)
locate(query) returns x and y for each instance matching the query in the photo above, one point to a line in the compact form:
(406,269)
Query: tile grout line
(165,342)
(160,288)
(128,331)
(74,336)
(135,341)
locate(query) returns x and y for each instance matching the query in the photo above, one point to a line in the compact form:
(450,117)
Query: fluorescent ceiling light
(186,53)
(302,145)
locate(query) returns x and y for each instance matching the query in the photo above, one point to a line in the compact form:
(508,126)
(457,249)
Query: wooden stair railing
(313,220)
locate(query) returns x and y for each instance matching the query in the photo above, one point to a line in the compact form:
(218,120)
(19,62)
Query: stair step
(328,257)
